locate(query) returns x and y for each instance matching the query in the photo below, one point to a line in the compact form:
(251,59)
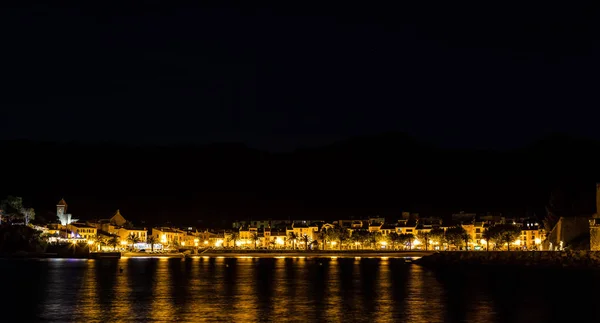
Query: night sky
(279,78)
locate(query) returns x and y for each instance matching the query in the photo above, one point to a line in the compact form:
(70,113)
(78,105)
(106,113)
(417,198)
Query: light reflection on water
(286,289)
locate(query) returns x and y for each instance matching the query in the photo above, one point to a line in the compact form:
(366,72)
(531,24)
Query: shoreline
(538,259)
(229,254)
(290,254)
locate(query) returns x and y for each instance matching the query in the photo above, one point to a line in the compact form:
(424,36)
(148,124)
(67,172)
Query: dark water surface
(289,289)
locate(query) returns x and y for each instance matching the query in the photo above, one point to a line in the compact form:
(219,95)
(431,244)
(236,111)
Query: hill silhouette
(363,176)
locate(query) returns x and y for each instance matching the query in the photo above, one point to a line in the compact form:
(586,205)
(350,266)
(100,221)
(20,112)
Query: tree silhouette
(394,238)
(151,240)
(114,242)
(456,235)
(304,238)
(254,237)
(424,236)
(293,237)
(504,233)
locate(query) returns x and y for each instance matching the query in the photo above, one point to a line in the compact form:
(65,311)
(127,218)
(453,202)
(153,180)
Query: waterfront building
(463,217)
(300,230)
(246,232)
(169,236)
(219,240)
(112,224)
(406,227)
(376,220)
(277,239)
(470,229)
(375,226)
(531,236)
(81,231)
(140,233)
(387,228)
(567,231)
(261,224)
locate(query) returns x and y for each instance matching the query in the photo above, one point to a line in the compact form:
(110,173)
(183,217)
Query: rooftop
(82,225)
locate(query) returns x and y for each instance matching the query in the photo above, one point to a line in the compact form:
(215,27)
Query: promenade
(288,253)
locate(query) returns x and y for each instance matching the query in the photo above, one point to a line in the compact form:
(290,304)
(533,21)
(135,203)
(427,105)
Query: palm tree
(114,242)
(487,235)
(322,235)
(373,238)
(254,237)
(356,239)
(332,234)
(100,241)
(382,239)
(151,240)
(293,236)
(234,237)
(133,239)
(410,238)
(424,236)
(342,236)
(407,238)
(394,237)
(304,238)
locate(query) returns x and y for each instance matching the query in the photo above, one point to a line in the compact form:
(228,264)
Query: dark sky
(474,75)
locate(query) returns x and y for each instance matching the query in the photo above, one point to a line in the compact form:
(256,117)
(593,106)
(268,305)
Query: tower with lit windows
(61,213)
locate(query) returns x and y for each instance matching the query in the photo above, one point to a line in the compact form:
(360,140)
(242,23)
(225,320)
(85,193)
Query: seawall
(315,253)
(575,258)
(286,253)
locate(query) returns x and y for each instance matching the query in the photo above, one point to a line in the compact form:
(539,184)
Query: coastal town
(409,232)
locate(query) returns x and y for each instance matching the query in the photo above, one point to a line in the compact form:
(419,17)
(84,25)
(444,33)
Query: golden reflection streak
(246,309)
(384,304)
(280,302)
(420,308)
(87,302)
(333,294)
(193,285)
(482,311)
(290,287)
(162,309)
(121,304)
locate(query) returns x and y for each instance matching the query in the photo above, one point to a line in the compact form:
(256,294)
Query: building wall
(595,238)
(411,230)
(531,238)
(311,232)
(566,231)
(124,234)
(83,232)
(169,237)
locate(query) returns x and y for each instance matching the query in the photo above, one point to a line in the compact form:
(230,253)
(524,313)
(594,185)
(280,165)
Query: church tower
(61,213)
(61,208)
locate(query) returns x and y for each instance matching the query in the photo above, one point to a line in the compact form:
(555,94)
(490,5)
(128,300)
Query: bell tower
(61,208)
